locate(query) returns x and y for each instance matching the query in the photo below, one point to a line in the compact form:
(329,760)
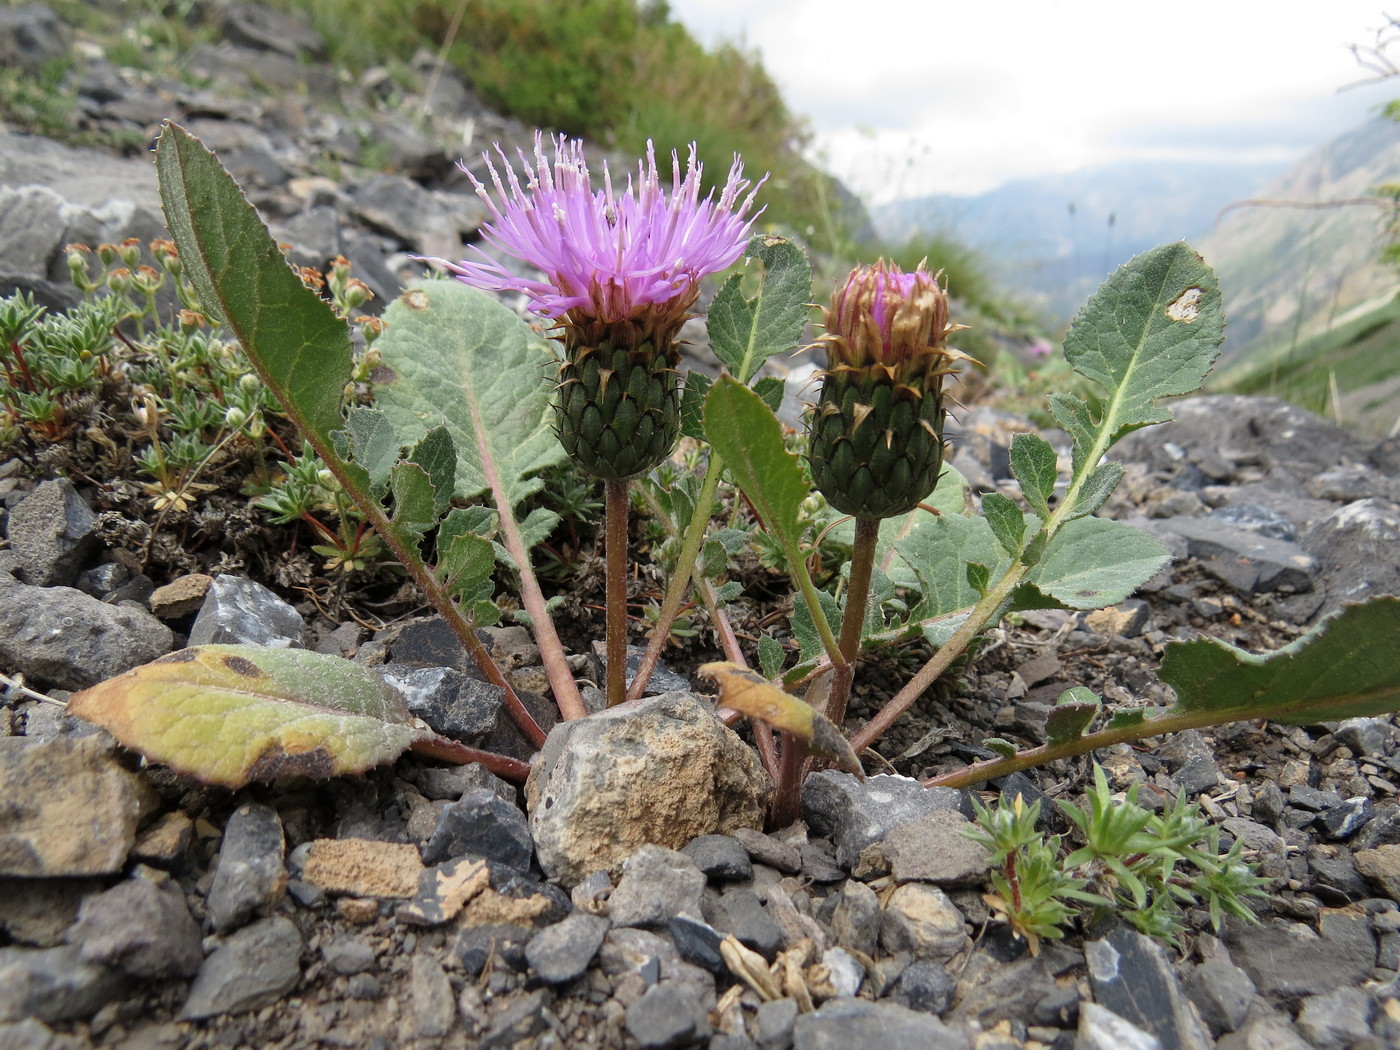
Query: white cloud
(921,96)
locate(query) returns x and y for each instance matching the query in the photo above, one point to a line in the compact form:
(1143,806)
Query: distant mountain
(1053,239)
(1290,273)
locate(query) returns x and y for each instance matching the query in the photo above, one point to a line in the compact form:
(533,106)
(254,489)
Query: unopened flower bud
(130,251)
(107,253)
(234,417)
(190,321)
(119,280)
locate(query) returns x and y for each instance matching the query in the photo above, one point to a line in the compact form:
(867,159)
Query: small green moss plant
(470,404)
(1143,867)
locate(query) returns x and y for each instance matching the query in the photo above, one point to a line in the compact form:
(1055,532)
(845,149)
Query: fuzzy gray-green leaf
(1034,465)
(457,357)
(1007,522)
(373,444)
(745,332)
(1073,713)
(1094,562)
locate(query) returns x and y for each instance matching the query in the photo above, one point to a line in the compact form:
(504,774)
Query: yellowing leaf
(230,714)
(751,694)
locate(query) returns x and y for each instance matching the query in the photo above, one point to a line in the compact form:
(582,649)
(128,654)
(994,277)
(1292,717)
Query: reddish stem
(503,766)
(615,539)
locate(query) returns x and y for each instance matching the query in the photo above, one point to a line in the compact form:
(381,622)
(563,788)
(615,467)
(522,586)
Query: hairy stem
(853,622)
(503,766)
(680,582)
(615,495)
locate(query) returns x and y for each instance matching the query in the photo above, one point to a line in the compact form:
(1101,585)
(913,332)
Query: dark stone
(348,955)
(1132,976)
(768,850)
(255,967)
(140,927)
(1222,993)
(1268,804)
(482,825)
(841,1024)
(1341,822)
(1246,561)
(1336,880)
(719,857)
(51,531)
(452,782)
(1301,796)
(266,29)
(1260,520)
(239,611)
(1191,762)
(451,702)
(54,984)
(855,814)
(562,952)
(1292,965)
(697,943)
(751,923)
(667,1015)
(522,1019)
(31,36)
(924,985)
(1381,830)
(1355,548)
(250,874)
(818,862)
(503,942)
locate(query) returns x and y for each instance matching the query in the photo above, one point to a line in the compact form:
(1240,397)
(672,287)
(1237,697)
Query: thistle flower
(876,440)
(620,274)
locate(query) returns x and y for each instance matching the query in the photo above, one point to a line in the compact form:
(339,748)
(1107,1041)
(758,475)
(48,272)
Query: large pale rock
(662,770)
(70,809)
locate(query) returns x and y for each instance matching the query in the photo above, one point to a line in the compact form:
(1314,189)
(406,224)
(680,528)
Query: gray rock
(920,919)
(31,36)
(924,986)
(935,850)
(991,990)
(1191,762)
(1381,868)
(239,611)
(1254,835)
(1290,961)
(51,531)
(267,29)
(1246,561)
(1336,1019)
(253,968)
(399,207)
(855,814)
(840,1024)
(662,680)
(667,1015)
(773,1023)
(855,919)
(661,770)
(766,849)
(1102,1029)
(70,808)
(62,638)
(1336,879)
(1254,518)
(38,912)
(54,984)
(32,225)
(434,1004)
(452,782)
(1348,482)
(451,702)
(720,857)
(522,1019)
(1132,976)
(482,825)
(1366,736)
(656,885)
(33,1034)
(698,943)
(250,875)
(750,923)
(562,952)
(1222,993)
(1344,821)
(502,943)
(348,955)
(1355,549)
(142,927)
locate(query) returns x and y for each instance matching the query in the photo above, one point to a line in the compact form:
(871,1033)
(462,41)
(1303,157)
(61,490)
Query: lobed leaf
(1035,465)
(231,714)
(1073,713)
(1094,562)
(1344,667)
(1007,522)
(746,332)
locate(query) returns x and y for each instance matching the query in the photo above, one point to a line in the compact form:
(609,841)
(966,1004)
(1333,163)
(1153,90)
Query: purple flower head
(607,256)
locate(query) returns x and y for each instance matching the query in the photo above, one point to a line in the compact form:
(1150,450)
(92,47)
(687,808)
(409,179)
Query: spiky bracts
(876,440)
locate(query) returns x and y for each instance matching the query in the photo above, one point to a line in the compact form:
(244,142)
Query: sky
(914,97)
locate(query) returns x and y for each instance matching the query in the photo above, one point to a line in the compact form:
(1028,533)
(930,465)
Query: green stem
(680,582)
(853,622)
(616,506)
(798,566)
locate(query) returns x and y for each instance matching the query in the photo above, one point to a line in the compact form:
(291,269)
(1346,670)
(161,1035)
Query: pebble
(920,918)
(239,611)
(748,921)
(503,942)
(1222,993)
(841,1024)
(768,850)
(924,985)
(698,943)
(250,875)
(253,968)
(451,702)
(562,952)
(656,885)
(431,999)
(855,917)
(1335,1020)
(1102,1029)
(54,984)
(1344,821)
(482,826)
(51,531)
(1291,961)
(855,814)
(362,867)
(720,857)
(1132,976)
(347,954)
(141,926)
(1381,868)
(935,850)
(666,1015)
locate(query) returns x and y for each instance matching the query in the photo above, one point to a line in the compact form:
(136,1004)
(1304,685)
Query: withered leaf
(749,693)
(230,714)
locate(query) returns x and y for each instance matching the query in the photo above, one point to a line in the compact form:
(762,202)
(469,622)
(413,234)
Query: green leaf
(230,714)
(1097,487)
(978,577)
(1094,562)
(998,746)
(537,526)
(728,592)
(435,454)
(771,390)
(1074,418)
(373,444)
(697,385)
(1151,331)
(465,564)
(292,337)
(415,510)
(1007,522)
(745,332)
(950,497)
(809,642)
(455,356)
(1345,667)
(1073,713)
(937,553)
(770,656)
(743,430)
(1033,464)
